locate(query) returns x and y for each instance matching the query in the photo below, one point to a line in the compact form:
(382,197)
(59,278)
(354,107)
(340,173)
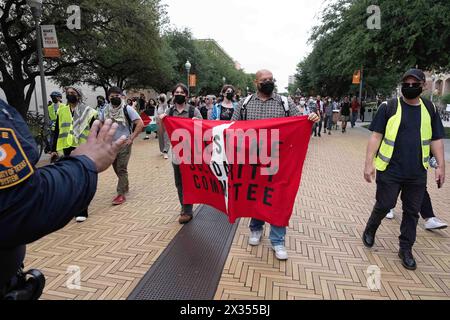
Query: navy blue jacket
(48,199)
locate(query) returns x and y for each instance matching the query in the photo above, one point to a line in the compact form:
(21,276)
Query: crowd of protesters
(71,124)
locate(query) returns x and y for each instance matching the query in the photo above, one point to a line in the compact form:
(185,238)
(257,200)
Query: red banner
(244,168)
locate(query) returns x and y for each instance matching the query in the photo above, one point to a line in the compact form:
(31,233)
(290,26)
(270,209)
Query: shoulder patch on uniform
(14,164)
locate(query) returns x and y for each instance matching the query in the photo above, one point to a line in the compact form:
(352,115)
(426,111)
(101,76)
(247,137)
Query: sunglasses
(411,85)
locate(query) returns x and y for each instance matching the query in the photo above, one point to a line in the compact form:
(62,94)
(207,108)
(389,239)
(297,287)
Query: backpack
(131,125)
(191,111)
(392,105)
(284,101)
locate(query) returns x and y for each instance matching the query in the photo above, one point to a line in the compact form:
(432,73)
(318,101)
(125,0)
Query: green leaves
(412,33)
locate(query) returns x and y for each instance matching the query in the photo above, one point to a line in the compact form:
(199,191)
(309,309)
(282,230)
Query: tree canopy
(125,43)
(412,33)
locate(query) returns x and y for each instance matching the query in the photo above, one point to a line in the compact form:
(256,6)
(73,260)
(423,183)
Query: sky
(259,34)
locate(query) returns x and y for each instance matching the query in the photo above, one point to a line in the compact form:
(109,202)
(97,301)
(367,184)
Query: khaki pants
(120,166)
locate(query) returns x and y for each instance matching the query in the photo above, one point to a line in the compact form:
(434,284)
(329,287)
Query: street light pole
(188,69)
(36,10)
(361,85)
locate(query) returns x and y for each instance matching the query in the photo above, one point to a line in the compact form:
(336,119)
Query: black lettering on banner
(227,168)
(251,192)
(267,196)
(205,183)
(254,170)
(217,169)
(223,185)
(236,194)
(214,186)
(196,182)
(192,167)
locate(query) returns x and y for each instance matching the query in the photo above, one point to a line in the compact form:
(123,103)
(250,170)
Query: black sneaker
(368,237)
(408,260)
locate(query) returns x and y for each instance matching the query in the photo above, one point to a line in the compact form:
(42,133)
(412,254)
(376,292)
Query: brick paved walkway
(117,245)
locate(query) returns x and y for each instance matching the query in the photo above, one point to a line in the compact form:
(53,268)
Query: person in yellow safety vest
(73,123)
(405,130)
(53,108)
(52,113)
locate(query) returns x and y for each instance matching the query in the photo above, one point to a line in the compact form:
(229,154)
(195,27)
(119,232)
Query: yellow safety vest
(52,114)
(66,139)
(388,144)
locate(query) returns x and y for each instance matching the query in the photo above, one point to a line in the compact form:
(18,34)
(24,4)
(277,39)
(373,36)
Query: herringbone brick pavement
(327,257)
(117,245)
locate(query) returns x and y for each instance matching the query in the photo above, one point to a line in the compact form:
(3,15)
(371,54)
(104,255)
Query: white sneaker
(166,156)
(280,252)
(391,214)
(435,224)
(80,219)
(255,238)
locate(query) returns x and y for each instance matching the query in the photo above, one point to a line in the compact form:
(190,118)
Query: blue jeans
(277,234)
(354,118)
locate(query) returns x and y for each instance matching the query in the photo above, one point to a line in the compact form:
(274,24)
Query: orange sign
(192,80)
(51,52)
(357,77)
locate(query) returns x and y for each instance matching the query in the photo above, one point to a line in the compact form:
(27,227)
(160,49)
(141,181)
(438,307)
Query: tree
(18,59)
(128,52)
(208,64)
(104,52)
(412,33)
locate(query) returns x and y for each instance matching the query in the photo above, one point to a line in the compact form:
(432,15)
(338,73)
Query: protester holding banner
(224,110)
(265,104)
(183,110)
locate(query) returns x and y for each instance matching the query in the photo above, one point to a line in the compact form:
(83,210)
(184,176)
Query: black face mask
(55,100)
(100,102)
(179,99)
(411,92)
(71,98)
(116,101)
(267,87)
(162,100)
(230,96)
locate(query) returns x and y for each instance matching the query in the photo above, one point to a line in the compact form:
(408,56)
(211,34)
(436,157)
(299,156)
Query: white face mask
(302,102)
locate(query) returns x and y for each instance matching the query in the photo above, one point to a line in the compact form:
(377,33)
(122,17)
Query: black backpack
(131,125)
(392,105)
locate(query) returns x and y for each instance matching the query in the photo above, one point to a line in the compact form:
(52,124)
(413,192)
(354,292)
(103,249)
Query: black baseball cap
(416,73)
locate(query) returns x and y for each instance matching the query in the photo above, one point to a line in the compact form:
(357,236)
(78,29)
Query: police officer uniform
(35,202)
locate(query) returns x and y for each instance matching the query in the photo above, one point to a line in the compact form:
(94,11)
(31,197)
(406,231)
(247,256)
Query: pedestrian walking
(405,130)
(266,104)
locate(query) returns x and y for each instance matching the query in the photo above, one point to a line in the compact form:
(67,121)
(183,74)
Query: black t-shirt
(406,161)
(150,111)
(226,113)
(345,110)
(204,112)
